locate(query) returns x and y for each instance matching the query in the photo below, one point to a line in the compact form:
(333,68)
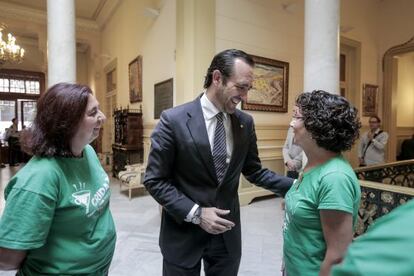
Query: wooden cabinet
(128,146)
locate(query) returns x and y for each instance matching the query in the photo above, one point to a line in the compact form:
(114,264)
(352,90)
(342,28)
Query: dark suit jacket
(407,150)
(180,172)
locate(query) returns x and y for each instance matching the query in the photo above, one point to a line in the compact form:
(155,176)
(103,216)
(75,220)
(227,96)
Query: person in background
(198,151)
(322,205)
(407,149)
(13,136)
(385,249)
(57,219)
(372,146)
(1,154)
(292,155)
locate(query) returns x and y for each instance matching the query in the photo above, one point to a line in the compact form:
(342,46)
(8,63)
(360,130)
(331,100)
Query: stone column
(321,65)
(61,41)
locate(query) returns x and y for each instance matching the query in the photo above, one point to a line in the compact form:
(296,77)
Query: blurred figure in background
(12,137)
(372,145)
(292,155)
(407,149)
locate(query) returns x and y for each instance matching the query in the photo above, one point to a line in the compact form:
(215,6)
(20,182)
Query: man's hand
(212,223)
(370,135)
(290,165)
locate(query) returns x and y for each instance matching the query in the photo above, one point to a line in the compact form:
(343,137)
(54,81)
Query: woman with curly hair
(322,205)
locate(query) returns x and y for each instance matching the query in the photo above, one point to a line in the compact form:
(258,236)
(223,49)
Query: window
(19,92)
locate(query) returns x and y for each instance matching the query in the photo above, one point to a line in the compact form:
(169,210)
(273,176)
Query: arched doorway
(390,102)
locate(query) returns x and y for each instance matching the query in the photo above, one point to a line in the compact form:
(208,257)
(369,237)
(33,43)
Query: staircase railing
(383,188)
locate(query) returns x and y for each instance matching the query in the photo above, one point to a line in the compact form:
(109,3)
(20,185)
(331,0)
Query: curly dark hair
(224,62)
(330,119)
(59,112)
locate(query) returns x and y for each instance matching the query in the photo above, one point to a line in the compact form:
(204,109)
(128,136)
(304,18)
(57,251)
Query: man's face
(236,88)
(374,124)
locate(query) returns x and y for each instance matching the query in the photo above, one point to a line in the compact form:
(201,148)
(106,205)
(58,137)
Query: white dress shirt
(209,113)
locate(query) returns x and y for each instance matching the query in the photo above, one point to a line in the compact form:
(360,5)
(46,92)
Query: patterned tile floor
(138,220)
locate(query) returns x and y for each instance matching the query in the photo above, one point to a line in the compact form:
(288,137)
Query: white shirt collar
(209,109)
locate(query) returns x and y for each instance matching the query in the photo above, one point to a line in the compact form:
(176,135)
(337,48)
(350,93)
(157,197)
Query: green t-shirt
(330,186)
(57,209)
(385,249)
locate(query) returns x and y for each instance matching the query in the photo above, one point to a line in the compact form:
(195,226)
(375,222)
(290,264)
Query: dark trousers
(14,150)
(217,262)
(292,174)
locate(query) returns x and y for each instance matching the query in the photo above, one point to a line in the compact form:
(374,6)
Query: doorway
(350,82)
(390,92)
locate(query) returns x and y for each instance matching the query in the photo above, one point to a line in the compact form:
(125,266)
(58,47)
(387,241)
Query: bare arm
(11,259)
(337,231)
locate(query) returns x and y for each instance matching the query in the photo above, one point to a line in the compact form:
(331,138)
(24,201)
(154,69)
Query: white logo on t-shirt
(83,197)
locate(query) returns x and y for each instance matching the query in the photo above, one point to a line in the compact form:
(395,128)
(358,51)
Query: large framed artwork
(370,100)
(135,80)
(270,86)
(163,96)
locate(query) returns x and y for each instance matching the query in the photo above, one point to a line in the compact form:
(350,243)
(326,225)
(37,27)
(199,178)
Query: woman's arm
(11,259)
(337,231)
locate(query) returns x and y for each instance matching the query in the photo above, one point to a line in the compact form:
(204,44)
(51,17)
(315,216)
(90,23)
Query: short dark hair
(59,112)
(330,119)
(224,62)
(375,117)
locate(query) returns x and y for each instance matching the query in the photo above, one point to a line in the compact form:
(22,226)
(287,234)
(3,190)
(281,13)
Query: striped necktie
(219,148)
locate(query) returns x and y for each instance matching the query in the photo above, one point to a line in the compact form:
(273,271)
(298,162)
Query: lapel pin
(241,126)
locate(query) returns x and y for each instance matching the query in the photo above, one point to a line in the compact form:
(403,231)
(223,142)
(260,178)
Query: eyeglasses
(297,118)
(373,122)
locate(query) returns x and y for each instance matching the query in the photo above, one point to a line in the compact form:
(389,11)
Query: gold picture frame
(270,86)
(370,100)
(135,80)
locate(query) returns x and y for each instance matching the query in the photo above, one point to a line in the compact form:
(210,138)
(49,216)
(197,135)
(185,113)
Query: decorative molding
(13,11)
(398,49)
(86,25)
(105,12)
(22,13)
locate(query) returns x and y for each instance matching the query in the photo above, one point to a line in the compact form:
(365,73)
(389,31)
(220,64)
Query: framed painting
(270,86)
(135,80)
(163,96)
(370,100)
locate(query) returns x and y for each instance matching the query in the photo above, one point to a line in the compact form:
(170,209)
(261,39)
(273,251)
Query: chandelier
(9,50)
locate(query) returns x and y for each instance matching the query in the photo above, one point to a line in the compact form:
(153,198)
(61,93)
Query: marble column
(61,41)
(321,66)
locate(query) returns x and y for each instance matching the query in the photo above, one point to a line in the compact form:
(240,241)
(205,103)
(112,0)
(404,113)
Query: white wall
(159,56)
(405,91)
(395,23)
(82,68)
(264,28)
(122,38)
(359,22)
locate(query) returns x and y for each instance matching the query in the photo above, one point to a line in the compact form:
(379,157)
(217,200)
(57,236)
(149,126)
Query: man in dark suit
(198,151)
